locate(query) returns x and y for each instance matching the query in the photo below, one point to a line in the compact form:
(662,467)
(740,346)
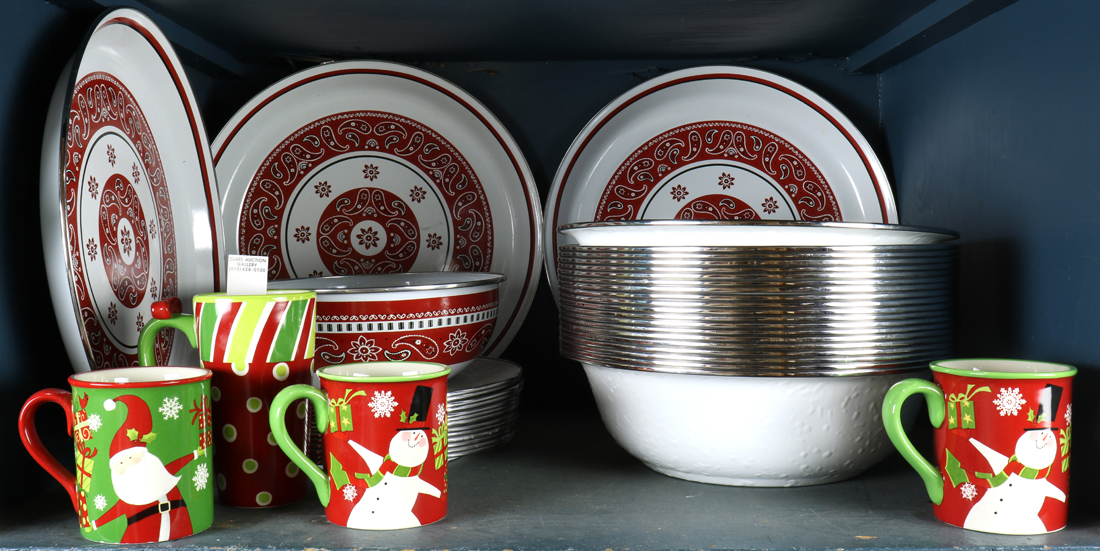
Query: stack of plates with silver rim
(756,298)
(482,406)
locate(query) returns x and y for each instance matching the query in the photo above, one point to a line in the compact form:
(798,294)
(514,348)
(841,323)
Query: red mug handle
(29,433)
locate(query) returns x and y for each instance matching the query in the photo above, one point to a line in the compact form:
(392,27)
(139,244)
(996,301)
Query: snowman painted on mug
(394,483)
(1017,484)
(1002,441)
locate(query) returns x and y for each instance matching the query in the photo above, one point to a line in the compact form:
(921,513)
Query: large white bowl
(747,233)
(747,431)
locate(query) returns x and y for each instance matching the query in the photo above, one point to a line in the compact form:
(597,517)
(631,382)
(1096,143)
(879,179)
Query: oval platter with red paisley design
(717,143)
(362,167)
(129,208)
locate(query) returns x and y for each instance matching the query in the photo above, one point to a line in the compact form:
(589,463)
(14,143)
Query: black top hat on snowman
(1049,397)
(417,416)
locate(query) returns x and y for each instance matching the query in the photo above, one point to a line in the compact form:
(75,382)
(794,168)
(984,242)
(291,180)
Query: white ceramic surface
(370,167)
(687,233)
(717,143)
(128,205)
(747,431)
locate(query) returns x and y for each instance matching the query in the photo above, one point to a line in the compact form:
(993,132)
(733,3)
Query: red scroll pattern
(732,142)
(122,233)
(717,207)
(337,230)
(285,169)
(100,102)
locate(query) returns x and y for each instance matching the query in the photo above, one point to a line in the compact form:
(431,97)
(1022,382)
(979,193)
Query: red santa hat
(137,429)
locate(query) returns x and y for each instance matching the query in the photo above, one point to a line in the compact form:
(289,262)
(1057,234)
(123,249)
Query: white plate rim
(855,138)
(519,164)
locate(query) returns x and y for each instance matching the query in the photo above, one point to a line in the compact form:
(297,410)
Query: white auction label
(247,275)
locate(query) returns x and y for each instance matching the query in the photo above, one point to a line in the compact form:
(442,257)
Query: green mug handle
(277,418)
(891,418)
(148,337)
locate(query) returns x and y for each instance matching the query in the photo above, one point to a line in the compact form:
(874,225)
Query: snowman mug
(1002,441)
(385,442)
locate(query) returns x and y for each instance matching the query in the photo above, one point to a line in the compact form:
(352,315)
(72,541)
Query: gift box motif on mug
(960,407)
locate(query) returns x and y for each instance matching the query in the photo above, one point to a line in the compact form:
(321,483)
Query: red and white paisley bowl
(441,317)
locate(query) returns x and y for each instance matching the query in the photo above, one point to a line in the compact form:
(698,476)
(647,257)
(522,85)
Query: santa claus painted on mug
(1002,442)
(142,477)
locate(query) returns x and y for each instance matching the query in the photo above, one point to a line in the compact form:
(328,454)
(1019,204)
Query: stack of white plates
(482,406)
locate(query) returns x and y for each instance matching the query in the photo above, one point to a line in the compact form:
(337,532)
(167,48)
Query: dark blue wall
(37,39)
(994,133)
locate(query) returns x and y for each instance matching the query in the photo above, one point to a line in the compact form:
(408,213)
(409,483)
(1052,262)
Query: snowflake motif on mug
(100,502)
(969,491)
(770,205)
(94,422)
(364,350)
(434,242)
(455,342)
(1009,401)
(136,173)
(153,287)
(323,188)
(126,241)
(370,172)
(152,230)
(417,194)
(349,492)
(140,322)
(111,155)
(171,407)
(440,414)
(1069,414)
(301,234)
(112,313)
(368,237)
(93,187)
(679,193)
(92,249)
(202,476)
(382,403)
(726,181)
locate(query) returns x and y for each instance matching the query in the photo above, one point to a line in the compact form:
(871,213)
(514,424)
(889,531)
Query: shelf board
(563,484)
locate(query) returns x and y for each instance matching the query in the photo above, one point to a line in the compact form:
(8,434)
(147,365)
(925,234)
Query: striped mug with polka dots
(256,345)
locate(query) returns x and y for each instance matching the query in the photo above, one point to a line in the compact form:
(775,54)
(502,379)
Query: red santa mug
(1002,441)
(142,437)
(385,442)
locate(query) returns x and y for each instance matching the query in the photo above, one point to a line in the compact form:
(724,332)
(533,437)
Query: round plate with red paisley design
(717,143)
(128,203)
(362,167)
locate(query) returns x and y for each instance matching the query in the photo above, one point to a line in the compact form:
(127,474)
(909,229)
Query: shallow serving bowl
(441,317)
(747,431)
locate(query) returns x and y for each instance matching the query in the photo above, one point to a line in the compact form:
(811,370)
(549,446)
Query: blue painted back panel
(993,133)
